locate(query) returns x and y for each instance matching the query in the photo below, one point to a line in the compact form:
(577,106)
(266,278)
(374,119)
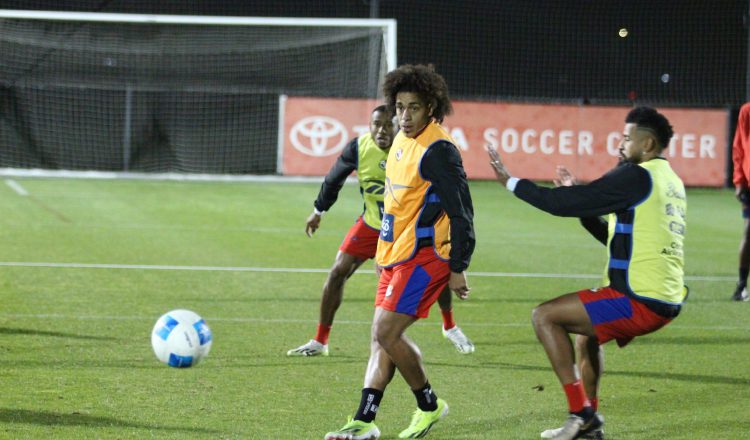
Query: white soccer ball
(181,338)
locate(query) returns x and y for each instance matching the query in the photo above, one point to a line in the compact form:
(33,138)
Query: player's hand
(378,270)
(501,173)
(313,223)
(742,193)
(457,283)
(564,177)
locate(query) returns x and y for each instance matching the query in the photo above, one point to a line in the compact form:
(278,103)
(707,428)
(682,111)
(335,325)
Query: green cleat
(355,430)
(422,421)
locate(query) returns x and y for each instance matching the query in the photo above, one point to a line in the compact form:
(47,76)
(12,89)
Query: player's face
(412,113)
(634,144)
(382,129)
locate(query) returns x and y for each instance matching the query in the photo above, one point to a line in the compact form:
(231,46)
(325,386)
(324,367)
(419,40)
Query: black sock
(426,398)
(744,271)
(368,406)
(587,413)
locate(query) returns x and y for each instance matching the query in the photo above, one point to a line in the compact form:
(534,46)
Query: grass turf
(76,363)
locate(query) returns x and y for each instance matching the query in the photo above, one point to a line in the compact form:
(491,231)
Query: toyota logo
(318,136)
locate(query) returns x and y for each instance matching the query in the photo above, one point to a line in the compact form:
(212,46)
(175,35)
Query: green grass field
(88,266)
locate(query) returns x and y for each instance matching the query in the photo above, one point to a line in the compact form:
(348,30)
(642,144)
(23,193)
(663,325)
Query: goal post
(171,93)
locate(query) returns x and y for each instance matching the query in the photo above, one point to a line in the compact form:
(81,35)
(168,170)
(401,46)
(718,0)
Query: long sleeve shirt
(442,166)
(336,177)
(619,190)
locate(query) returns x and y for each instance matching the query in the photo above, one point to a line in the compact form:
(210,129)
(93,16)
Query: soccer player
(426,241)
(741,180)
(367,155)
(645,204)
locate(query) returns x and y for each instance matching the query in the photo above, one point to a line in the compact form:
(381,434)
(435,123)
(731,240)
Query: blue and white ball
(181,338)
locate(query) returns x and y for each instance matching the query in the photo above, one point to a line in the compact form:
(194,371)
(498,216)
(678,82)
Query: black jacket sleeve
(346,163)
(623,187)
(596,227)
(442,166)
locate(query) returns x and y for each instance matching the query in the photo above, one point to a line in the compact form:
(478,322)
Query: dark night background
(542,50)
(677,53)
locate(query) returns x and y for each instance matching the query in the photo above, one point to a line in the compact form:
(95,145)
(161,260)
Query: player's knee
(384,337)
(539,316)
(339,273)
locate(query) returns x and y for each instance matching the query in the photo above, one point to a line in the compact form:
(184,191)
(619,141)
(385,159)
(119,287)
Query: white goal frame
(387,26)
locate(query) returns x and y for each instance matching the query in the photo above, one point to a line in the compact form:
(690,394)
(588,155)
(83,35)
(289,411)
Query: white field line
(312,321)
(311,270)
(15,186)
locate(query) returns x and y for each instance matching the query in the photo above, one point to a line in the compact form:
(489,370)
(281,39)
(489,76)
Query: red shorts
(361,240)
(412,287)
(617,316)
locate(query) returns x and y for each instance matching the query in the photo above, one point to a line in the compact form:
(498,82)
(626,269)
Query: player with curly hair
(367,156)
(426,242)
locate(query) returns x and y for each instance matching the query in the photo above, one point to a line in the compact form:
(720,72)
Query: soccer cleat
(422,421)
(740,293)
(312,348)
(355,430)
(459,340)
(596,434)
(575,427)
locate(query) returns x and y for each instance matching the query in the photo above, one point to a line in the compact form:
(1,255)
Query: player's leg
(333,289)
(740,291)
(609,315)
(359,245)
(388,333)
(406,294)
(591,367)
(333,292)
(553,321)
(379,373)
(449,329)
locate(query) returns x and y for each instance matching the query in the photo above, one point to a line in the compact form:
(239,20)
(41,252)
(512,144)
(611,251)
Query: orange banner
(531,138)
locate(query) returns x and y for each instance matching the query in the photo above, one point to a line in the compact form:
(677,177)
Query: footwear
(740,293)
(575,427)
(459,340)
(422,421)
(596,434)
(312,348)
(355,430)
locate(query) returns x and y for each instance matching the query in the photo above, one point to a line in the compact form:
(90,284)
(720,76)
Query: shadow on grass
(695,340)
(47,418)
(697,378)
(31,332)
(272,300)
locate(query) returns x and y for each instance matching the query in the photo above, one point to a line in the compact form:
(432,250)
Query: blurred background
(140,97)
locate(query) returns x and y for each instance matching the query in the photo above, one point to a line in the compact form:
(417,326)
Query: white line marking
(15,186)
(209,319)
(311,270)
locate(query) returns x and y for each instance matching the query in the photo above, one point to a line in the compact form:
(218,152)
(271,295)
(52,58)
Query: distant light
(665,78)
(623,33)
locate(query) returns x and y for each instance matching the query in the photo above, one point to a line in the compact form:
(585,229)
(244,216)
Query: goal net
(151,93)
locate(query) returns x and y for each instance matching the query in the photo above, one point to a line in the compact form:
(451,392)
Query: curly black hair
(648,117)
(423,80)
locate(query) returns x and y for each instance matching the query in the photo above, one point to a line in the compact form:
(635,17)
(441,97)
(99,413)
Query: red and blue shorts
(617,316)
(413,287)
(361,240)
